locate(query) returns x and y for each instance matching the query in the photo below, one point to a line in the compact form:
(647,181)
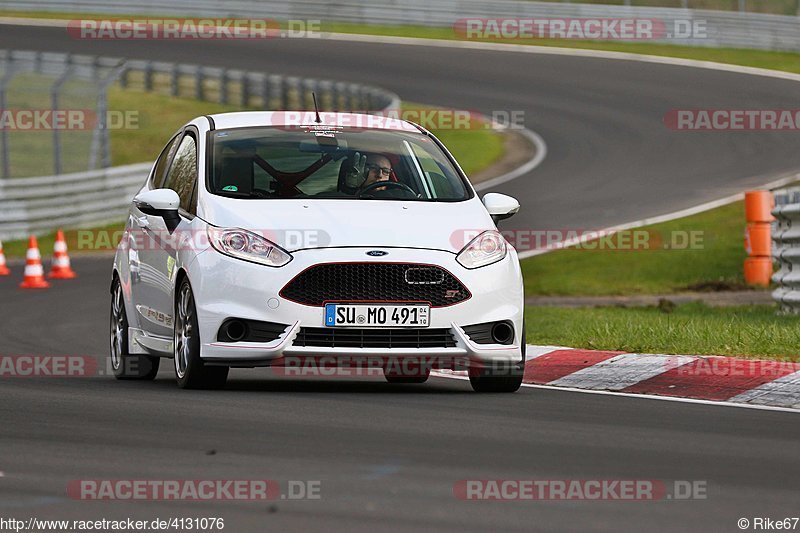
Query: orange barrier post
(4,271)
(758,243)
(61,268)
(758,206)
(34,273)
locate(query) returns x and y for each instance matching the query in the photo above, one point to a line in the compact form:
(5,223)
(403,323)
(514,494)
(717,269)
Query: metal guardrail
(785,234)
(58,72)
(39,204)
(246,89)
(725,28)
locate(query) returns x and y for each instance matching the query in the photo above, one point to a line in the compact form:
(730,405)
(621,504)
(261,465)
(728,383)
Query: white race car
(339,240)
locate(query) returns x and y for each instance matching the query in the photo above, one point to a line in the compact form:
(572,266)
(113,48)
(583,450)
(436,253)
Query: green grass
(30,151)
(717,260)
(101,239)
(473,149)
(753,331)
(690,328)
(777,7)
(474,145)
(158,117)
(786,61)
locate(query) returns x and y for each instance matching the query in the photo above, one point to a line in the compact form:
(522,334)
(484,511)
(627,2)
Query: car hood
(311,223)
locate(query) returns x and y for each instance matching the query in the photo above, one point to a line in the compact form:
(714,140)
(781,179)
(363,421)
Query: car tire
(123,364)
(500,378)
(190,371)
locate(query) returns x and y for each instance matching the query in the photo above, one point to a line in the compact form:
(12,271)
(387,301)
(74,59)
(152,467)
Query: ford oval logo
(376,253)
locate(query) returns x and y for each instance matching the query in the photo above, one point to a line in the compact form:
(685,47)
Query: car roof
(384,121)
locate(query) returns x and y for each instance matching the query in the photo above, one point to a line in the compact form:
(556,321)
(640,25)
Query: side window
(157,179)
(435,183)
(183,172)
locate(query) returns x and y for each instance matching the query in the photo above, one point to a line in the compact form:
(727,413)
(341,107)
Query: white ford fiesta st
(338,240)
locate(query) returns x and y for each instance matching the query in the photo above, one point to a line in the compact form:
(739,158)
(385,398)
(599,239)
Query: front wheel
(124,364)
(501,378)
(190,371)
(505,378)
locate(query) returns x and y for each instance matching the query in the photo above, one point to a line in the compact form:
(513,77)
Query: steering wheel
(378,184)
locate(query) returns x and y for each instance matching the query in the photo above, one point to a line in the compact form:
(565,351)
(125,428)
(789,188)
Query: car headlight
(248,246)
(487,248)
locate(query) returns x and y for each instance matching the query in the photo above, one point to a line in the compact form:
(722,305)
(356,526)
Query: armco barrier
(37,205)
(40,204)
(786,249)
(725,28)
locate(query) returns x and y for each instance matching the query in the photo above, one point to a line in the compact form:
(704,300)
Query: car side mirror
(162,203)
(500,206)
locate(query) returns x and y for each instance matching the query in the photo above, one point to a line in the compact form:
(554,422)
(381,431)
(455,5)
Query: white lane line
(662,218)
(600,54)
(561,51)
(544,50)
(535,139)
(539,156)
(532,352)
(784,391)
(497,47)
(645,396)
(40,23)
(621,371)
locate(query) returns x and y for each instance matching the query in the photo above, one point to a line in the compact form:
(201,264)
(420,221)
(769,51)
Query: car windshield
(331,162)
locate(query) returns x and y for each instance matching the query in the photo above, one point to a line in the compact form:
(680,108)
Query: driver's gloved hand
(356,175)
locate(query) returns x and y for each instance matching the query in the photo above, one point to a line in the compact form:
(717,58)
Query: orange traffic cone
(61,268)
(4,271)
(34,273)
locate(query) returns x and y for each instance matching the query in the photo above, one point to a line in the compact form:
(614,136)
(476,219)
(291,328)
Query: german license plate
(377,316)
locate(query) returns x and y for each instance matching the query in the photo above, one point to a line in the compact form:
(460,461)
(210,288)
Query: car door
(157,256)
(138,239)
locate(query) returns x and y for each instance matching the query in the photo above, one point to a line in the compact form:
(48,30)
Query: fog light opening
(236,330)
(503,333)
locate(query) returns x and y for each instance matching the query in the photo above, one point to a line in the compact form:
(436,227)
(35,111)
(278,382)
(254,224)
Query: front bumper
(225,287)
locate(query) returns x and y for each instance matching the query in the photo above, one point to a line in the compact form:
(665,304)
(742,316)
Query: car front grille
(374,338)
(375,282)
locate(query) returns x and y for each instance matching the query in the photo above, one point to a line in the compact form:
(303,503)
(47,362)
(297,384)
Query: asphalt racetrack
(390,456)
